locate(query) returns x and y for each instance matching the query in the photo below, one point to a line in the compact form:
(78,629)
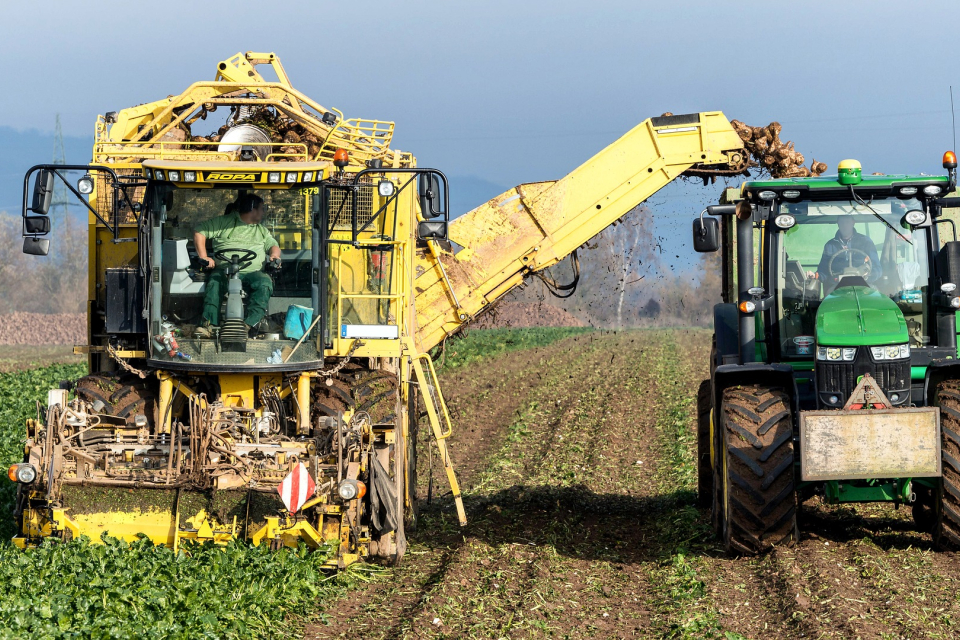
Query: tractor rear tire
(946,533)
(704,463)
(759,491)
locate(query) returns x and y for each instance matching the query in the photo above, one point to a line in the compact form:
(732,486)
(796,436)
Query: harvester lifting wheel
(946,530)
(704,458)
(759,496)
(122,396)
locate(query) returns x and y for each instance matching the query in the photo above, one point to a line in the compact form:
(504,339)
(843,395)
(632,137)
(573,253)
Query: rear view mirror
(706,235)
(36,246)
(429,229)
(36,225)
(42,192)
(430,201)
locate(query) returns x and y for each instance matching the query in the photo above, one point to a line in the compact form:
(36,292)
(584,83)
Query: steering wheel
(245,257)
(863,270)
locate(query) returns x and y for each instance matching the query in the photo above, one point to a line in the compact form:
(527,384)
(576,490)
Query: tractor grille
(840,378)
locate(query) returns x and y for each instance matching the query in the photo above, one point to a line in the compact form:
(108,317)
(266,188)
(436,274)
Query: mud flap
(383,500)
(436,409)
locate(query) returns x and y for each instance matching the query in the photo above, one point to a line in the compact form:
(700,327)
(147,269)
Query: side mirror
(42,192)
(430,229)
(948,262)
(706,235)
(36,225)
(430,202)
(36,246)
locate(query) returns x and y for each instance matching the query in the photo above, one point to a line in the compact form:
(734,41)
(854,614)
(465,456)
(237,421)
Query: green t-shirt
(230,232)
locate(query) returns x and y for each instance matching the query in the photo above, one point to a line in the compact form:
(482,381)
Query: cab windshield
(246,309)
(835,239)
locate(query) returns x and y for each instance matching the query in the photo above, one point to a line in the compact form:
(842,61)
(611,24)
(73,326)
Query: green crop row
(476,345)
(120,590)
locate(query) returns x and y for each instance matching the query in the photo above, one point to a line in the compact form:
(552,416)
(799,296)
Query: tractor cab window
(246,309)
(835,239)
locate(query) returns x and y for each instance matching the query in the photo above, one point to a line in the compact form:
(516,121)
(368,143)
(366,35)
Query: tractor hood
(856,315)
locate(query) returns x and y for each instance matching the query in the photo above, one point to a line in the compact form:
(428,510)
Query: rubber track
(947,532)
(758,427)
(704,468)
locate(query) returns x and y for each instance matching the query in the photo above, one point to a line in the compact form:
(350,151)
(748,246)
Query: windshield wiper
(857,199)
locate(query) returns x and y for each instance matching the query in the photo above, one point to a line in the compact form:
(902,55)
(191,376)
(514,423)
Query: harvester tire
(946,532)
(760,498)
(704,464)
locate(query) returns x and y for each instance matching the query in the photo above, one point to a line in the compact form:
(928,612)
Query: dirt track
(577,465)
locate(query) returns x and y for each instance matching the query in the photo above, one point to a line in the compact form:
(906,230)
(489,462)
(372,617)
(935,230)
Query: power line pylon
(61,198)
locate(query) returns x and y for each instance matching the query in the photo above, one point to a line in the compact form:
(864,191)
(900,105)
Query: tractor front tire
(704,462)
(946,532)
(759,491)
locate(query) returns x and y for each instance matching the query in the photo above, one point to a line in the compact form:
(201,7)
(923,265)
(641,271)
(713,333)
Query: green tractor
(834,368)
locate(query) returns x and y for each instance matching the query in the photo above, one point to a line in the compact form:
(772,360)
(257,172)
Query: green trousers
(258,283)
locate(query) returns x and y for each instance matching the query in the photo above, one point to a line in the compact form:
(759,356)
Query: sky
(508,92)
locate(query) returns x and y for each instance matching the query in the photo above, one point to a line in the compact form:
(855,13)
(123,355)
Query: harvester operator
(862,253)
(239,229)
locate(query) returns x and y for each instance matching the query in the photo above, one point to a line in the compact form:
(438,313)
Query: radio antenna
(953,114)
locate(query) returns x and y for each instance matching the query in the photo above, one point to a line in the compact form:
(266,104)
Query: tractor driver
(239,229)
(861,250)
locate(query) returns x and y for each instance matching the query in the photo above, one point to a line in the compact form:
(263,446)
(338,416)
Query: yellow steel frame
(533,226)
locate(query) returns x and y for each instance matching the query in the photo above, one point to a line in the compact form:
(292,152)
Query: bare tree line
(56,283)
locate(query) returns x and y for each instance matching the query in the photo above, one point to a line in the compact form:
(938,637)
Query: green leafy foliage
(485,343)
(121,590)
(19,393)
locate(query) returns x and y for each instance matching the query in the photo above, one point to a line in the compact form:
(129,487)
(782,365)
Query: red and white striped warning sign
(296,488)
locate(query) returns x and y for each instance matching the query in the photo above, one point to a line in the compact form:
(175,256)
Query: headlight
(308,176)
(791,194)
(908,191)
(190,176)
(932,190)
(348,489)
(784,221)
(850,353)
(273,176)
(767,195)
(833,353)
(385,188)
(175,176)
(85,184)
(891,352)
(158,174)
(821,353)
(292,177)
(915,217)
(23,473)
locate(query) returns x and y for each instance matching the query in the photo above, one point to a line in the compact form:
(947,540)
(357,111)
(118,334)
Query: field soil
(521,315)
(577,462)
(22,328)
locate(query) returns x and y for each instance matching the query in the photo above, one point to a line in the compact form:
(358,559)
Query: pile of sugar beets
(769,152)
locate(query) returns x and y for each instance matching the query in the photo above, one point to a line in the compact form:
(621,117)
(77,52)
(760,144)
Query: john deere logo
(859,379)
(233,177)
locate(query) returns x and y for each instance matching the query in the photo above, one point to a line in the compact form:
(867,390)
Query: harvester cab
(834,368)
